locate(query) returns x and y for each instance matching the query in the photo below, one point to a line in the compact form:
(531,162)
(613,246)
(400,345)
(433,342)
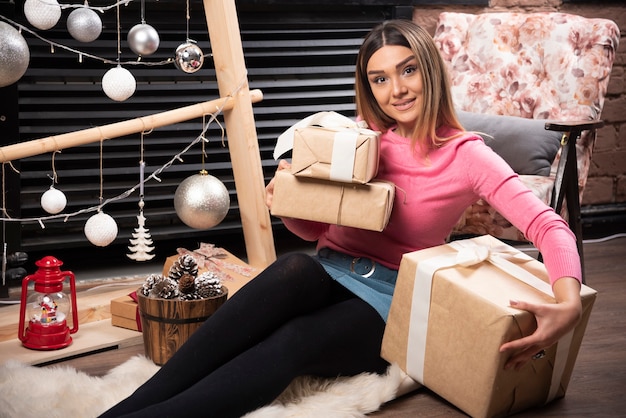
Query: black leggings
(293,319)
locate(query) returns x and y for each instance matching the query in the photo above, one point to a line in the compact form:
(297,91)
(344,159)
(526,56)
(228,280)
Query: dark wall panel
(301,56)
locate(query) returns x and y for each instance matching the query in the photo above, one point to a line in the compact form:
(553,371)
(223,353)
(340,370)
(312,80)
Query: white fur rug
(62,392)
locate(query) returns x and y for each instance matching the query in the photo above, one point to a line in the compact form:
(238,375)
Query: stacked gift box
(331,180)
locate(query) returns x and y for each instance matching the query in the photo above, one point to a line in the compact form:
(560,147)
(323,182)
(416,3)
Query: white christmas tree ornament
(141,242)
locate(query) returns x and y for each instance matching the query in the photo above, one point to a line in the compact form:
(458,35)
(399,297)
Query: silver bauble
(42,14)
(143,39)
(201,201)
(188,57)
(84,25)
(53,201)
(118,84)
(101,229)
(14,55)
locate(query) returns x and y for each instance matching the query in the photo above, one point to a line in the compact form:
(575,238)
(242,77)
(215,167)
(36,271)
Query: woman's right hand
(269,189)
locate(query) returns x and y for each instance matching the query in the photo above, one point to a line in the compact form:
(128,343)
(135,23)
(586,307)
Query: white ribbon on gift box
(344,153)
(344,145)
(468,254)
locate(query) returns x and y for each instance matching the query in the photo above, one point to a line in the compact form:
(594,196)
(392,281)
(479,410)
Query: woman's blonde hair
(438,109)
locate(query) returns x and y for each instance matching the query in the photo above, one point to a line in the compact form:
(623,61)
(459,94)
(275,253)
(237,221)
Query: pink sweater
(431,195)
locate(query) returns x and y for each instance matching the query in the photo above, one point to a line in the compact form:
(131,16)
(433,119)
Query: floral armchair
(545,67)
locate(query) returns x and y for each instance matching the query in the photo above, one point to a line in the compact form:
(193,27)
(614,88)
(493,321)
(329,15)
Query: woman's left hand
(269,189)
(554,320)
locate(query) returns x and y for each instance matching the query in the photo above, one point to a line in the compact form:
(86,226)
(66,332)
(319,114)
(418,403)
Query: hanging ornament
(143,39)
(84,24)
(14,55)
(101,229)
(42,14)
(118,84)
(201,201)
(188,57)
(141,242)
(53,201)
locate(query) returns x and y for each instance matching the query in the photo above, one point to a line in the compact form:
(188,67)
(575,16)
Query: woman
(325,315)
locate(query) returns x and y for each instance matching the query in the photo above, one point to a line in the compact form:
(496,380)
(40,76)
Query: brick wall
(606,183)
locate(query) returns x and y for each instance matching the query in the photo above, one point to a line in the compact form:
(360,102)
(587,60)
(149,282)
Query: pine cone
(190,296)
(149,283)
(208,285)
(166,289)
(185,264)
(186,283)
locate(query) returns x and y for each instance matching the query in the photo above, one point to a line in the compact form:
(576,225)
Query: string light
(100,9)
(153,176)
(178,157)
(82,54)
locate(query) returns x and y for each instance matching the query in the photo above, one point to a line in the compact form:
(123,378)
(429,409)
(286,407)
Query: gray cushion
(524,144)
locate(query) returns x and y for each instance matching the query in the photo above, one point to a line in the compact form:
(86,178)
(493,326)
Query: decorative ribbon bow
(344,146)
(328,120)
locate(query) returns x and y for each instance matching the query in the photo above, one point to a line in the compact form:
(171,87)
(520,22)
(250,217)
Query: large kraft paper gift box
(330,146)
(366,206)
(447,322)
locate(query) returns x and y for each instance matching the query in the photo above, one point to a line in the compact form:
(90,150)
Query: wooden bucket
(166,323)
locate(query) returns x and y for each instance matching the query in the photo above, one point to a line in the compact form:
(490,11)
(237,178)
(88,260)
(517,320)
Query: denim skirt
(367,279)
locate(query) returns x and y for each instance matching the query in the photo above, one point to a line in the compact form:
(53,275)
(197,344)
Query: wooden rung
(115,130)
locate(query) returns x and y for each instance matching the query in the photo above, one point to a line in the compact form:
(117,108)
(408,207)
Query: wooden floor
(598,384)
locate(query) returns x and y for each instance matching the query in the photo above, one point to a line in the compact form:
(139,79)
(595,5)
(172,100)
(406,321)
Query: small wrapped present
(330,146)
(125,312)
(450,314)
(366,206)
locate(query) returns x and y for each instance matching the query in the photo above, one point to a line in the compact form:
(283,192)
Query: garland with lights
(81,54)
(85,25)
(125,194)
(101,229)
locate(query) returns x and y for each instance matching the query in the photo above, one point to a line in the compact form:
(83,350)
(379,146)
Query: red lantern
(48,307)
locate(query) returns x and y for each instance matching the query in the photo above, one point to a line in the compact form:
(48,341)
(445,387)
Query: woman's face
(396,83)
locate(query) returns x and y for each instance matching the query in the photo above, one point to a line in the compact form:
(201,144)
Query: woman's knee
(298,262)
(300,268)
(294,279)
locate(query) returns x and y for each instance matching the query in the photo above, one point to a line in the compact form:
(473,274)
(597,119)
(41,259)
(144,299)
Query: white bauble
(143,39)
(14,55)
(201,201)
(101,229)
(84,25)
(188,57)
(42,14)
(118,84)
(53,201)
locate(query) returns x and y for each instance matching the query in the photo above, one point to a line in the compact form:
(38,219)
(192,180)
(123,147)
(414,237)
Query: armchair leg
(566,188)
(573,209)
